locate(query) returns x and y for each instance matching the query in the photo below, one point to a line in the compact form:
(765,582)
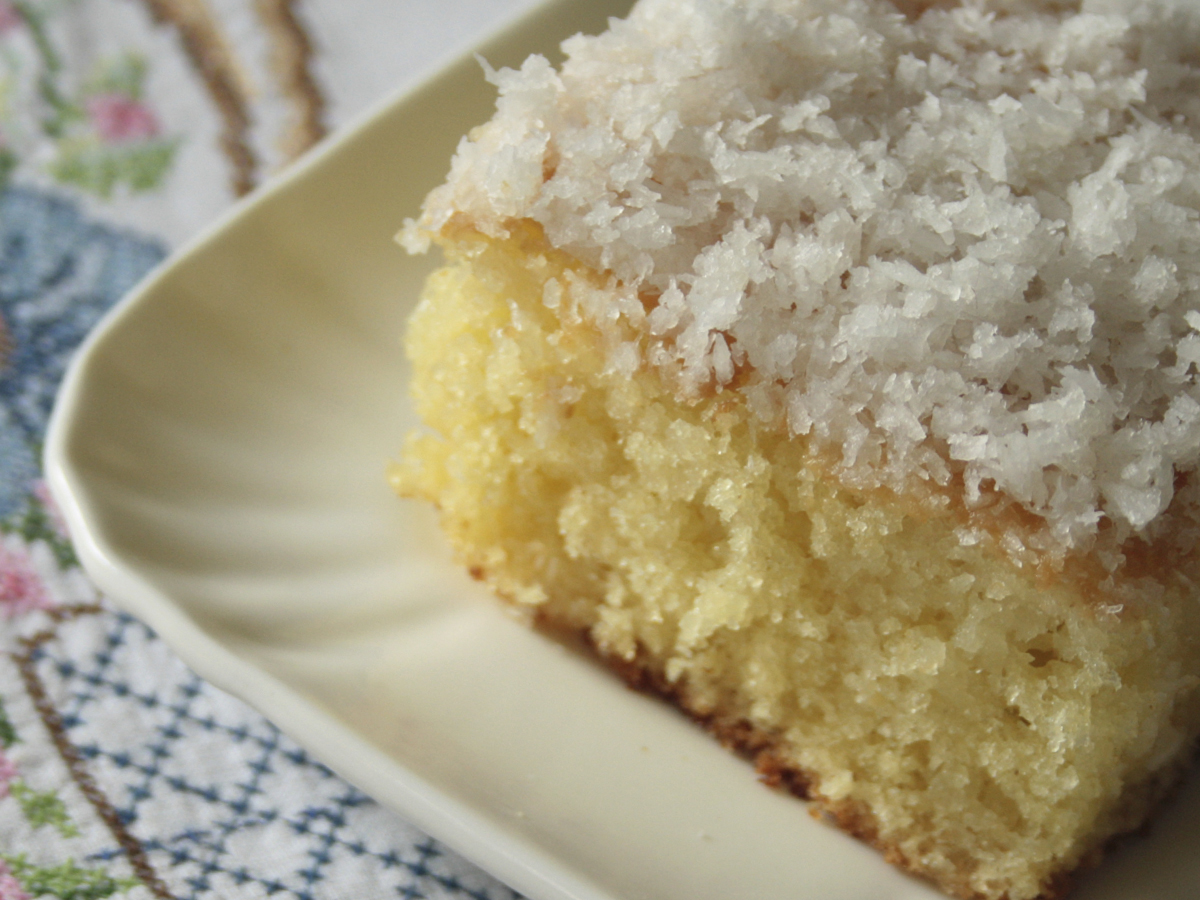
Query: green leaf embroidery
(8,162)
(66,881)
(8,159)
(33,524)
(62,111)
(99,169)
(8,734)
(123,75)
(43,808)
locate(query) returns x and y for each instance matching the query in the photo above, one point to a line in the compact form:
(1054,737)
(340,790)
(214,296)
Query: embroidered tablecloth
(125,127)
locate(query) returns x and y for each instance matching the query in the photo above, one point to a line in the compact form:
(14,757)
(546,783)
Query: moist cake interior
(989,726)
(833,366)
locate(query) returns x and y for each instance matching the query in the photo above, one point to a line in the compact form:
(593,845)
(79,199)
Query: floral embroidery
(103,133)
(9,18)
(39,521)
(66,881)
(21,588)
(23,880)
(51,513)
(43,808)
(8,162)
(10,888)
(39,808)
(8,734)
(8,774)
(122,143)
(119,119)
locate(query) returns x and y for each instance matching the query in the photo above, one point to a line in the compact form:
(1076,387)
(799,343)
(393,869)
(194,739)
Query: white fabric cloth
(126,126)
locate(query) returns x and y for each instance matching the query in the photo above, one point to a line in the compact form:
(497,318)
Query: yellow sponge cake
(832,367)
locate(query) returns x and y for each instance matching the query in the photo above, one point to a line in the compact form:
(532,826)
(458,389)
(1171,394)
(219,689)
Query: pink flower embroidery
(21,590)
(8,772)
(42,491)
(10,888)
(9,17)
(119,119)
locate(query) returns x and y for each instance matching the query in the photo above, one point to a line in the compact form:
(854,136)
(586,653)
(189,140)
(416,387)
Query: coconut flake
(962,243)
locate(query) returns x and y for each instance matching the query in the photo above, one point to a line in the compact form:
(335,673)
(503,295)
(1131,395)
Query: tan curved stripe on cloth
(291,54)
(26,660)
(211,55)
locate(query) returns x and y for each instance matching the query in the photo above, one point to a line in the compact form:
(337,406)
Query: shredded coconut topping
(959,246)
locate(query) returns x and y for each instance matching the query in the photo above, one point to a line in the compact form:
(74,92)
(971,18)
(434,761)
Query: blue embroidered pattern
(244,806)
(59,273)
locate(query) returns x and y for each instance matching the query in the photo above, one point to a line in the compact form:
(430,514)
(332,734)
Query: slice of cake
(831,365)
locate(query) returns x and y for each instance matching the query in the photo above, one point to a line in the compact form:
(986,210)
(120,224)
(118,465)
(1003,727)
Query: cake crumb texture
(990,726)
(833,366)
(954,244)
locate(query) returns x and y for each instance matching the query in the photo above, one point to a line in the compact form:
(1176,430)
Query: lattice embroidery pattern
(219,801)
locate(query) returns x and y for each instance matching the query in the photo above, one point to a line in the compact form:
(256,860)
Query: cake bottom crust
(985,727)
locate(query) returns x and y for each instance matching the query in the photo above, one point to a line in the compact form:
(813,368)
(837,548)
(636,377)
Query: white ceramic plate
(219,450)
